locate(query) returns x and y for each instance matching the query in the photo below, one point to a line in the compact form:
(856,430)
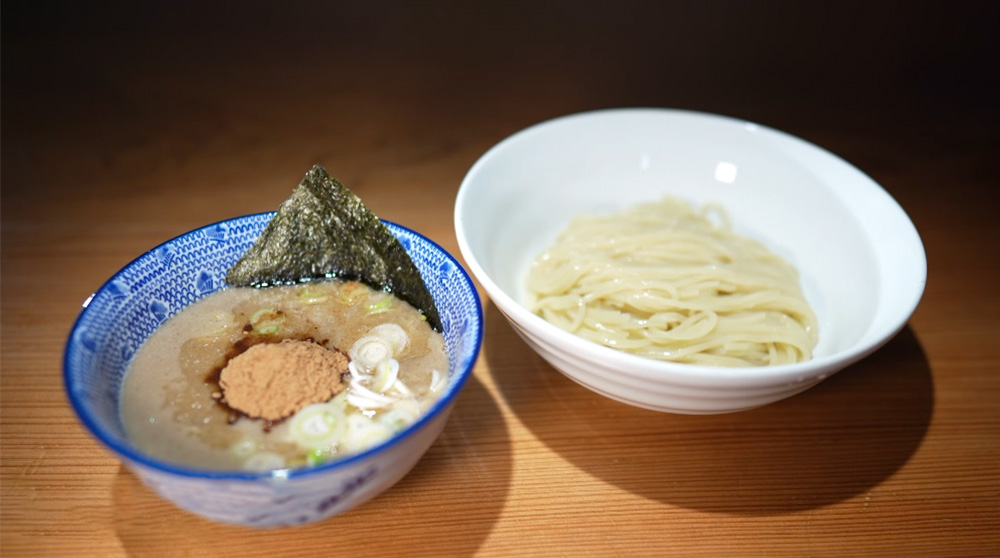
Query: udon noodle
(665,282)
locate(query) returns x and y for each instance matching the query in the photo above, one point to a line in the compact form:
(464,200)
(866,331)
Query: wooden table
(124,126)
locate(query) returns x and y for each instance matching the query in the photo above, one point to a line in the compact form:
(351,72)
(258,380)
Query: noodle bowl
(662,281)
(860,261)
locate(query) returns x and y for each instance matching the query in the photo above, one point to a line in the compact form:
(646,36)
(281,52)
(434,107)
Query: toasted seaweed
(324,231)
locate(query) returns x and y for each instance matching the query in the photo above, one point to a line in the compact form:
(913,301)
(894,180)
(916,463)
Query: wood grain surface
(126,124)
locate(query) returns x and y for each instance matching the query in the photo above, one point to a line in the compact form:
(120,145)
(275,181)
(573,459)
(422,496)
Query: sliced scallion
(438,381)
(368,351)
(267,321)
(364,433)
(382,305)
(312,296)
(394,334)
(386,373)
(350,291)
(317,426)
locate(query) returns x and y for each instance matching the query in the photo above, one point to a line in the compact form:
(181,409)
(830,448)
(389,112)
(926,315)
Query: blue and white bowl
(119,317)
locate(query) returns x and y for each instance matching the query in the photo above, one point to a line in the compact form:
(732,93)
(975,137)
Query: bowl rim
(127,451)
(690,374)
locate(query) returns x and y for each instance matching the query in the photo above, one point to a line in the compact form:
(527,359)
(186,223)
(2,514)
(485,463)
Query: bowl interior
(119,317)
(860,260)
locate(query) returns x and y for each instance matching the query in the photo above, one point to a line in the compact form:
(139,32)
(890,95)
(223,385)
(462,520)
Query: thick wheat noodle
(662,281)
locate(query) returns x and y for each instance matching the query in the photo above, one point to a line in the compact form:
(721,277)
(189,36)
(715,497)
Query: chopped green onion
(267,320)
(316,457)
(394,420)
(364,398)
(404,413)
(438,381)
(394,334)
(350,291)
(363,433)
(268,329)
(312,296)
(356,372)
(381,306)
(368,351)
(260,313)
(401,388)
(317,426)
(386,373)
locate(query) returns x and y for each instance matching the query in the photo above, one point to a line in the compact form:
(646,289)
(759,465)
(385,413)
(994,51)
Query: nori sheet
(324,231)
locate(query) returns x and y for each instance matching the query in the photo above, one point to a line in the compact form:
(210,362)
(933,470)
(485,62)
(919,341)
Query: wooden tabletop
(125,125)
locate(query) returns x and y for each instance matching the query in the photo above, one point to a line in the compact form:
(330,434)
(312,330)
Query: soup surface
(175,406)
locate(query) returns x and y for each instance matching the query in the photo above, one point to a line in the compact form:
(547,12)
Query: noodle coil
(662,281)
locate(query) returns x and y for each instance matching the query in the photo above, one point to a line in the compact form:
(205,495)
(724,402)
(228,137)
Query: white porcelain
(135,301)
(861,260)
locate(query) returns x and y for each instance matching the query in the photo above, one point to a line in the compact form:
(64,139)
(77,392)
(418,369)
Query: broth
(171,404)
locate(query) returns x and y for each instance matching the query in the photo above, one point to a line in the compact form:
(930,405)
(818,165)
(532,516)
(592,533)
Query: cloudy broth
(170,398)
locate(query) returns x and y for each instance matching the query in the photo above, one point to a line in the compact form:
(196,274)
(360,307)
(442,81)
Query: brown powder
(274,380)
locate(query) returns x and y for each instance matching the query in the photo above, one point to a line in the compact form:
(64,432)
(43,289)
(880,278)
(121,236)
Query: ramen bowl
(119,317)
(861,262)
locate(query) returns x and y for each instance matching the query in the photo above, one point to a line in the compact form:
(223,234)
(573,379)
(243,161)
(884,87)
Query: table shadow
(833,442)
(468,469)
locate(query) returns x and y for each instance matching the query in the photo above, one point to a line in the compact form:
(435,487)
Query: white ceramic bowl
(860,258)
(125,311)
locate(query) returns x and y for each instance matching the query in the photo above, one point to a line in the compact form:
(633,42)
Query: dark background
(219,106)
(787,64)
